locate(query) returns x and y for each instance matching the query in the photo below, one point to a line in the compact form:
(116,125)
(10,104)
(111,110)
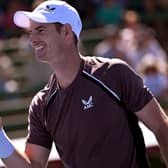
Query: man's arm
(154,117)
(35,156)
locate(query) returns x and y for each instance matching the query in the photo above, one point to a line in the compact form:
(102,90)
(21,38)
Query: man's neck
(66,74)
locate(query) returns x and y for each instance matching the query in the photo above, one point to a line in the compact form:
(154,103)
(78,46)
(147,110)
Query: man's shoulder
(97,59)
(99,62)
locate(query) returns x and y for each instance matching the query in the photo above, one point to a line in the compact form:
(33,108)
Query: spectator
(9,29)
(108,47)
(7,83)
(110,12)
(154,74)
(148,44)
(131,26)
(138,39)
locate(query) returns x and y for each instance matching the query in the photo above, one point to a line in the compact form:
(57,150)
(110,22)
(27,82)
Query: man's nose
(34,40)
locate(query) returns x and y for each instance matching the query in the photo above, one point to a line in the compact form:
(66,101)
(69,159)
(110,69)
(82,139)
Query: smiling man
(90,106)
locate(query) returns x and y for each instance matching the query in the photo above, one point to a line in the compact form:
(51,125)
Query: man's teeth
(39,48)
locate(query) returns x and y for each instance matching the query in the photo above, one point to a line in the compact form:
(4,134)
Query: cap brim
(22,18)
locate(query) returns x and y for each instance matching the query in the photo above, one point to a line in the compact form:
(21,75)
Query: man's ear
(67,29)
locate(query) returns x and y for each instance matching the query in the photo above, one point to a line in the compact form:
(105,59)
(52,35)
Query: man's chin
(41,59)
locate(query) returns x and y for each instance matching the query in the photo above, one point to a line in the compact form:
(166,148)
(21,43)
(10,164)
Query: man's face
(46,41)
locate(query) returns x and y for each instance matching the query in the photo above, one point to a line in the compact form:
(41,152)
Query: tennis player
(89,108)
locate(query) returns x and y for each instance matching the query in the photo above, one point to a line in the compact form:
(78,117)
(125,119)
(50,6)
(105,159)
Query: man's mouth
(39,48)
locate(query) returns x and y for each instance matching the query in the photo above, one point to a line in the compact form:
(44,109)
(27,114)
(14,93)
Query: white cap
(50,11)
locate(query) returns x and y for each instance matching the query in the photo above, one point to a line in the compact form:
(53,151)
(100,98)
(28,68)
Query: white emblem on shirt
(87,104)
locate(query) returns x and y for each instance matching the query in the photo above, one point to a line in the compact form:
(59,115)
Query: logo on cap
(48,8)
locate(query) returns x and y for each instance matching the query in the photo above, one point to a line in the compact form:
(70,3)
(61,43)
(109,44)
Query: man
(82,109)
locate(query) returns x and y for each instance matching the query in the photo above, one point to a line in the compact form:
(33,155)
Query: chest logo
(87,103)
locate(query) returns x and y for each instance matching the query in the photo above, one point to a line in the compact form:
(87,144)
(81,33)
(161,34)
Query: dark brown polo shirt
(89,129)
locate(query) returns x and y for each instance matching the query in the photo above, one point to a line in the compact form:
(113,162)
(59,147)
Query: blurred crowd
(95,13)
(134,31)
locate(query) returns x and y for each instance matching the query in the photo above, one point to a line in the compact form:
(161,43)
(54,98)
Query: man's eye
(41,30)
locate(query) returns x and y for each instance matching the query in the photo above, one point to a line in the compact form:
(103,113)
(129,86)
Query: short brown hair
(58,28)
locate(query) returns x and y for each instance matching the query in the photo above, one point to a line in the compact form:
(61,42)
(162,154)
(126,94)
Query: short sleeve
(37,133)
(134,94)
